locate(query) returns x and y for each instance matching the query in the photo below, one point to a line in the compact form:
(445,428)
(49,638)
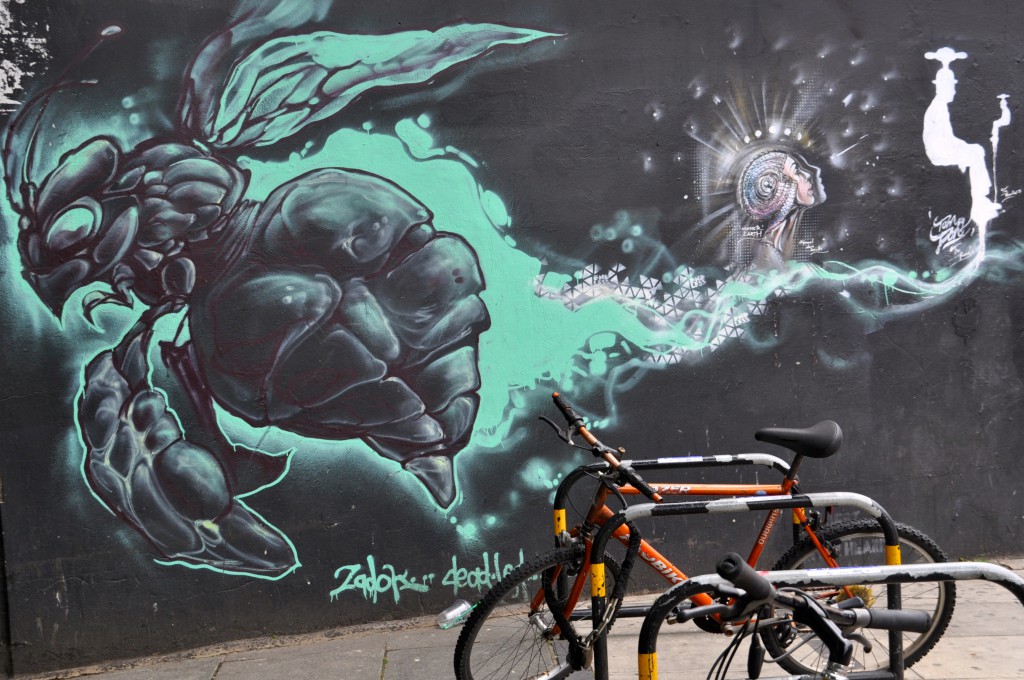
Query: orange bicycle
(533,624)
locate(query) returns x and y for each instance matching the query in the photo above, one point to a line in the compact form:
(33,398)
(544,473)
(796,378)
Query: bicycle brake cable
(724,661)
(618,494)
(571,502)
(555,608)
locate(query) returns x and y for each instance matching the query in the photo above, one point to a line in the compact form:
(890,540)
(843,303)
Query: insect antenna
(25,155)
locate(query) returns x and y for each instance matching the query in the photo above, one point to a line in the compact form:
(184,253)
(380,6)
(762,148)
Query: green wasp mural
(333,309)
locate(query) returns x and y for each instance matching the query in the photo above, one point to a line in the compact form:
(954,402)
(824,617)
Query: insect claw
(97,298)
(91,302)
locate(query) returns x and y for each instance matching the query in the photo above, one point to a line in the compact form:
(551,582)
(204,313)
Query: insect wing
(292,81)
(205,76)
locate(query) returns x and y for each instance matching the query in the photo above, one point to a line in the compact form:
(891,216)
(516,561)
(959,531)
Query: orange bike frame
(600,513)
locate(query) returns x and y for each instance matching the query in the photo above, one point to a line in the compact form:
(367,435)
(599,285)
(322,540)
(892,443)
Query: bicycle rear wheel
(505,638)
(861,543)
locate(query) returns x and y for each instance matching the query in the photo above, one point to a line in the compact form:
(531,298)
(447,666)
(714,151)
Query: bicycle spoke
(505,638)
(860,543)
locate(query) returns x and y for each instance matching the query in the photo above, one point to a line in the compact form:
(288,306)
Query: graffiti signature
(372,584)
(812,246)
(949,231)
(374,580)
(484,576)
(1008,193)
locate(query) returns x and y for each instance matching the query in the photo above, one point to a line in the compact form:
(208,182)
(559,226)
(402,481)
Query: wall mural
(366,291)
(332,308)
(763,187)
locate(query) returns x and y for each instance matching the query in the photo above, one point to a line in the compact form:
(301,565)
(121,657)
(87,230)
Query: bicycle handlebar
(575,422)
(909,620)
(734,568)
(760,590)
(571,417)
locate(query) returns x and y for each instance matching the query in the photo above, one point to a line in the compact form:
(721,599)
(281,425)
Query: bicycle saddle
(816,441)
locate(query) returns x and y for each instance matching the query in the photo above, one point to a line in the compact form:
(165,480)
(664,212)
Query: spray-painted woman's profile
(774,188)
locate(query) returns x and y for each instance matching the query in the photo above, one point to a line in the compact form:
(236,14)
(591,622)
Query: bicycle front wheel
(861,543)
(505,637)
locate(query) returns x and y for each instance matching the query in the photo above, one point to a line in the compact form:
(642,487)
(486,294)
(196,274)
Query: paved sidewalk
(984,640)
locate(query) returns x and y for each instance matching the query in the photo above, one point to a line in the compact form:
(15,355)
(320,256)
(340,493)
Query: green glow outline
(237,498)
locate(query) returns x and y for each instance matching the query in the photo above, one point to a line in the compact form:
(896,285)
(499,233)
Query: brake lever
(564,436)
(707,610)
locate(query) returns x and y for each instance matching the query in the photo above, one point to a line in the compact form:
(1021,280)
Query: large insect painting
(333,309)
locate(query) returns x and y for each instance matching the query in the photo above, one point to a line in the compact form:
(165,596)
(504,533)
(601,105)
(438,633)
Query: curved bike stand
(804,578)
(732,505)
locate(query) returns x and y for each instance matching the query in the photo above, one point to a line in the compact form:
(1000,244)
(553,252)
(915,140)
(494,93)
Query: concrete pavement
(985,640)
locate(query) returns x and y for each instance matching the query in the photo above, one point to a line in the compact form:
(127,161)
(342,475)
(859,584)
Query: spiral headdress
(764,191)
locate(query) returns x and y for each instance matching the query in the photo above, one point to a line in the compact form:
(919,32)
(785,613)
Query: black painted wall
(616,145)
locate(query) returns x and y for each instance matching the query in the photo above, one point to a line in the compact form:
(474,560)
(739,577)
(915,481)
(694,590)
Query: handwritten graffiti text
(948,231)
(480,577)
(949,234)
(373,584)
(376,580)
(1008,193)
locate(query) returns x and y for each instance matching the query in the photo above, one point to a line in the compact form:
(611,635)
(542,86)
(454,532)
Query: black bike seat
(816,441)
